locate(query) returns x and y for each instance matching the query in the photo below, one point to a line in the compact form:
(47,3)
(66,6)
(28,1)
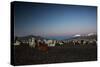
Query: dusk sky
(54,20)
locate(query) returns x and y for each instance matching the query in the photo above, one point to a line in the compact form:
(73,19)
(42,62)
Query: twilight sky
(54,20)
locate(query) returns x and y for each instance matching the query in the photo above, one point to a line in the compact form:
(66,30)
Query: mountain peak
(77,35)
(91,34)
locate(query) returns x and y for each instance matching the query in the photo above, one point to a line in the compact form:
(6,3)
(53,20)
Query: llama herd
(44,44)
(32,42)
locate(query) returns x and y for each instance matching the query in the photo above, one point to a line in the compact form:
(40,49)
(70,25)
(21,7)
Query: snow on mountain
(90,34)
(77,35)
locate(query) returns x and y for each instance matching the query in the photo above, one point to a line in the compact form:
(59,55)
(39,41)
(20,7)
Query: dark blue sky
(54,20)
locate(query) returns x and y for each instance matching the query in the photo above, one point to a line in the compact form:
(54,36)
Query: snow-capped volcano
(91,34)
(77,35)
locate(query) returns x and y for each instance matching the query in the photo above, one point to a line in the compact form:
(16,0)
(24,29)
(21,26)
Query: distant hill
(70,38)
(83,37)
(28,37)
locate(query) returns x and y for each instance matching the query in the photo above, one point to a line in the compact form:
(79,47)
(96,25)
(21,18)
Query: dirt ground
(24,55)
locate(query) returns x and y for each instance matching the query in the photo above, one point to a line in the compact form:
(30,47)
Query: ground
(25,55)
